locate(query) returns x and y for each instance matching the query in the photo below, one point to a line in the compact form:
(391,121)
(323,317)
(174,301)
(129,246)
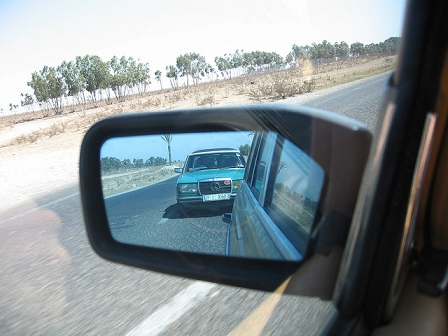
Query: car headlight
(187,188)
(236,185)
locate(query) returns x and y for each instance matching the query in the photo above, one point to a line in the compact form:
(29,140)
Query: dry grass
(263,87)
(134,178)
(206,98)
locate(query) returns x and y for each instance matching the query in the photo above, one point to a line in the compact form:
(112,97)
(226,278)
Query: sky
(143,147)
(47,32)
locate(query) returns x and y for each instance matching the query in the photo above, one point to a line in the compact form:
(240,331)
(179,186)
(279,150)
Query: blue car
(210,178)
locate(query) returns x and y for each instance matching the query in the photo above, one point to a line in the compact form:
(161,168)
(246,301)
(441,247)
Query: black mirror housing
(314,131)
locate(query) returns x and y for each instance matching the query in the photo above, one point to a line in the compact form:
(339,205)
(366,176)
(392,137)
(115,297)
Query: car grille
(215,187)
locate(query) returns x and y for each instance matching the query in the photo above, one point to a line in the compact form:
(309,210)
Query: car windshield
(220,160)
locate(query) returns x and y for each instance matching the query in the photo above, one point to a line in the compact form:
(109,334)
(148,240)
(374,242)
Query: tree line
(327,51)
(112,164)
(89,79)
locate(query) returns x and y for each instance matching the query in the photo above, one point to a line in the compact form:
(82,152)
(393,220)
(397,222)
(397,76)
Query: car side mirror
(293,198)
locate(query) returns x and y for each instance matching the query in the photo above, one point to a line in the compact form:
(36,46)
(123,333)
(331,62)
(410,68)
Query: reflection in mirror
(170,191)
(152,200)
(274,216)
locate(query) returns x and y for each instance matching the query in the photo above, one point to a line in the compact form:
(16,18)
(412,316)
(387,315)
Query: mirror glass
(171,191)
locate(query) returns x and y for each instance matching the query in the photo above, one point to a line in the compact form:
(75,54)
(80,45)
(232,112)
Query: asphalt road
(150,217)
(359,100)
(51,282)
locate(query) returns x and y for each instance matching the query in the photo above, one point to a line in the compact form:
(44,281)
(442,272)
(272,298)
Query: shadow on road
(51,275)
(176,212)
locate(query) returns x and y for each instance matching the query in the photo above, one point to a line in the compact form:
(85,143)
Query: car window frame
(267,139)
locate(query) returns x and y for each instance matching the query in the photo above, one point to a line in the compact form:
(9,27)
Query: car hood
(193,177)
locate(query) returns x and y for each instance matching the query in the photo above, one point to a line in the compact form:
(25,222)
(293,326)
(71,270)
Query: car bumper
(197,202)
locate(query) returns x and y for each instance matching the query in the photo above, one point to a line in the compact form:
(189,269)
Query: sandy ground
(29,170)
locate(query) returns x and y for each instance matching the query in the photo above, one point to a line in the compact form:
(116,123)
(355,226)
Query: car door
(274,215)
(385,281)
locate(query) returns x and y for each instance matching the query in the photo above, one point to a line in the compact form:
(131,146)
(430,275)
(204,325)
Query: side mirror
(287,200)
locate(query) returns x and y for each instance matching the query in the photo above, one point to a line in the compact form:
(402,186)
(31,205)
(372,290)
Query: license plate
(216,197)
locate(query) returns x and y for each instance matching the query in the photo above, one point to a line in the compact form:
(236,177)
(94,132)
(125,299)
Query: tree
(74,81)
(109,164)
(183,65)
(290,59)
(27,102)
(245,149)
(341,49)
(152,161)
(237,61)
(172,74)
(224,65)
(208,71)
(49,87)
(322,51)
(95,74)
(158,161)
(193,65)
(257,61)
(248,62)
(372,48)
(297,55)
(13,107)
(141,76)
(138,163)
(128,76)
(126,163)
(120,81)
(391,45)
(357,49)
(168,138)
(158,75)
(149,162)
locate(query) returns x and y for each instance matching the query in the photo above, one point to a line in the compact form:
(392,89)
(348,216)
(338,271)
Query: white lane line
(179,305)
(39,208)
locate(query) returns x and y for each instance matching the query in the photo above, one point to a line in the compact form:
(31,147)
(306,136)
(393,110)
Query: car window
(297,187)
(293,194)
(214,161)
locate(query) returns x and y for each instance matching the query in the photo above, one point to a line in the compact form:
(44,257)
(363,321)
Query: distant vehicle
(210,178)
